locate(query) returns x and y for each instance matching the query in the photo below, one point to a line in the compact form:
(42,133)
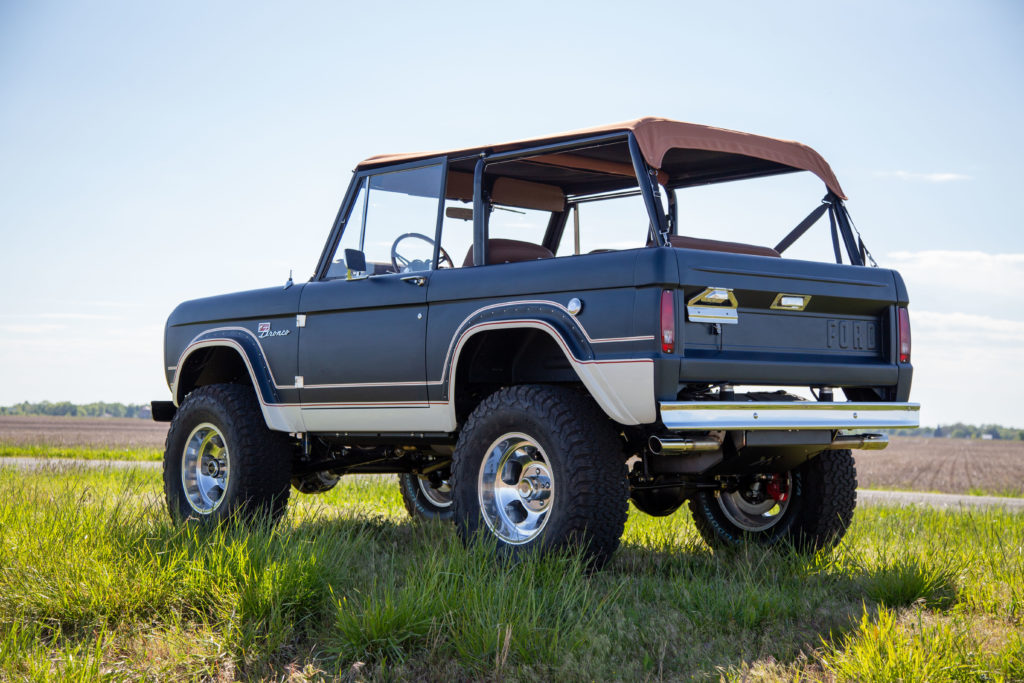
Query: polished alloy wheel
(205,468)
(751,508)
(516,488)
(439,497)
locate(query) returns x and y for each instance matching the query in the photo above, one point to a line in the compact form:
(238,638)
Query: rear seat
(509,251)
(718,245)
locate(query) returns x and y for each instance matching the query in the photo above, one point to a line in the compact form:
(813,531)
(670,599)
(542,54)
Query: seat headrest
(510,251)
(683,242)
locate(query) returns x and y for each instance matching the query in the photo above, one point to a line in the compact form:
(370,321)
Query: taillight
(668,321)
(904,335)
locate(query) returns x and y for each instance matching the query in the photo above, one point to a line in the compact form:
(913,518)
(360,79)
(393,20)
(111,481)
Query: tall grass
(79,452)
(884,648)
(95,582)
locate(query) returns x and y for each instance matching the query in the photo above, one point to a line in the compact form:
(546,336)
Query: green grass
(95,583)
(1008,492)
(80,452)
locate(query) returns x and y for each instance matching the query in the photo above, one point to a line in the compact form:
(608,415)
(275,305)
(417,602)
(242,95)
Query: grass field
(81,438)
(95,583)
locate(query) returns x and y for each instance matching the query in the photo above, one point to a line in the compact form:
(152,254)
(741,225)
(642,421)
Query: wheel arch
(622,388)
(226,358)
(214,362)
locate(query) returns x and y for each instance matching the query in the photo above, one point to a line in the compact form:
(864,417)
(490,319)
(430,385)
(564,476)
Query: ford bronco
(529,337)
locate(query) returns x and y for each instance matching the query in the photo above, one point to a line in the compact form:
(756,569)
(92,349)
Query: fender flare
(623,388)
(244,343)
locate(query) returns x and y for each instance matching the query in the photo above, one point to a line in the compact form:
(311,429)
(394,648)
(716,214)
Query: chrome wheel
(205,468)
(439,497)
(756,507)
(516,488)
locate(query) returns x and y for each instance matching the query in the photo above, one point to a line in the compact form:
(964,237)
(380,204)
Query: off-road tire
(588,469)
(259,458)
(418,505)
(823,494)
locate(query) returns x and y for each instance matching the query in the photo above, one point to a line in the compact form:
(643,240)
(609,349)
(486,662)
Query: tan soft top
(658,138)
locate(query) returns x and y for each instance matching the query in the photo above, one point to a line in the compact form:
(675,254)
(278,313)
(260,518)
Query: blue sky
(153,152)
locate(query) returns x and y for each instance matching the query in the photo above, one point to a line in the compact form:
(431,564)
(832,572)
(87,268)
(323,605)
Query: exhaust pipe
(669,445)
(867,442)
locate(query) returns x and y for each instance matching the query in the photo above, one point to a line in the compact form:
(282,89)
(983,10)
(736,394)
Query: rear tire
(541,467)
(822,498)
(423,500)
(221,461)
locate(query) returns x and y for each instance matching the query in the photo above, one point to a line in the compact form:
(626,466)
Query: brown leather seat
(510,251)
(718,245)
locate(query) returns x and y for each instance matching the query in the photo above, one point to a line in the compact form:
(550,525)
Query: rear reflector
(668,321)
(904,335)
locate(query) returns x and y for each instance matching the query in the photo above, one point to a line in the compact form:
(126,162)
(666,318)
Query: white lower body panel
(367,417)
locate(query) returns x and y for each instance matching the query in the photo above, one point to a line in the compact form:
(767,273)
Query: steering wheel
(401,263)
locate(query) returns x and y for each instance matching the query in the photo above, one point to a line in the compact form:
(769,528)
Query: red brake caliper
(778,488)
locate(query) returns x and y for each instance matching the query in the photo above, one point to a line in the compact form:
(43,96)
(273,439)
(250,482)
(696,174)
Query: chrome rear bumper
(727,415)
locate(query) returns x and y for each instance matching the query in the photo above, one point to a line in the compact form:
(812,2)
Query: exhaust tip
(669,445)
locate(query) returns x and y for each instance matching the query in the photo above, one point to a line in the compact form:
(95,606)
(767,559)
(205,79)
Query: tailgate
(791,322)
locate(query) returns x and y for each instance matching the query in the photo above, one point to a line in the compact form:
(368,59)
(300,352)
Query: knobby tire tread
(260,457)
(596,477)
(825,496)
(419,506)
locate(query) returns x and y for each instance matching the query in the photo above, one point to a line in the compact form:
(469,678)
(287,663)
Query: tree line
(68,409)
(959,430)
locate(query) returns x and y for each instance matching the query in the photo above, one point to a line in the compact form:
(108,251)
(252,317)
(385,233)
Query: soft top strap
(805,225)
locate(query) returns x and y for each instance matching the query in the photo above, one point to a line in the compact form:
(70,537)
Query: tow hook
(778,488)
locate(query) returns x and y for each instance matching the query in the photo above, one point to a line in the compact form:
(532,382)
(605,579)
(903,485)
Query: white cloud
(968,333)
(75,316)
(967,368)
(938,258)
(968,326)
(40,328)
(923,177)
(970,282)
(95,303)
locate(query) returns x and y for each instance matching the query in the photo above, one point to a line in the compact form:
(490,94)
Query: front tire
(822,495)
(221,461)
(541,467)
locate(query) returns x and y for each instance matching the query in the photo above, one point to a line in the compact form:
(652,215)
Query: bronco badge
(263,330)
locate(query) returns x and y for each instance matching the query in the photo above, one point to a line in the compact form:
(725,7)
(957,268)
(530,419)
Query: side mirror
(355,261)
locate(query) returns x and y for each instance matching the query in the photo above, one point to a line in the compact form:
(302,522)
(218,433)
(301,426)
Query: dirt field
(110,432)
(909,463)
(945,465)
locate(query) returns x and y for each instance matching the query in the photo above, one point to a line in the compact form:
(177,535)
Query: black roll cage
(662,225)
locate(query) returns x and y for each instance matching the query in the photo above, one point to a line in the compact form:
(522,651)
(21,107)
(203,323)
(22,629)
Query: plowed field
(112,432)
(945,465)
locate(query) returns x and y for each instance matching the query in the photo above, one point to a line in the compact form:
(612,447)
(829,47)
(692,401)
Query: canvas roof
(684,153)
